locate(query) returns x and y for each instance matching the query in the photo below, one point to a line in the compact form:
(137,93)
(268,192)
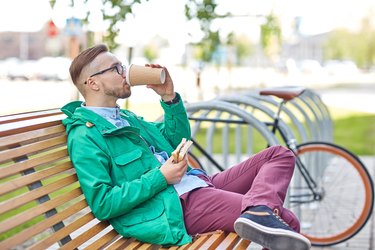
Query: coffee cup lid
(162,76)
(127,74)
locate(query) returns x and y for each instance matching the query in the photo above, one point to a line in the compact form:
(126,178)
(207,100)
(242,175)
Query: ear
(92,84)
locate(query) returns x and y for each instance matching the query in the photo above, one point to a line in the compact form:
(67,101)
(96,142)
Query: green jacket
(120,176)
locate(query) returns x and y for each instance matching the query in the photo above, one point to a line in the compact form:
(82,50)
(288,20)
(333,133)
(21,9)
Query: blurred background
(209,46)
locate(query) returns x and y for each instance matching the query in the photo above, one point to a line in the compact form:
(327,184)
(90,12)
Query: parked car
(53,68)
(22,69)
(309,66)
(6,65)
(337,67)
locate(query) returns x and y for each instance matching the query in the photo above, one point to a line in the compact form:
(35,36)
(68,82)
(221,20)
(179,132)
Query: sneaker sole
(275,239)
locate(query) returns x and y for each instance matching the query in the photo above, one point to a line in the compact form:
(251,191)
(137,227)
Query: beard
(120,93)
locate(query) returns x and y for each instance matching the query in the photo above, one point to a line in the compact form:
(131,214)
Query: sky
(166,17)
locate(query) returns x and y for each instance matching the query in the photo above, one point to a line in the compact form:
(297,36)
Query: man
(128,177)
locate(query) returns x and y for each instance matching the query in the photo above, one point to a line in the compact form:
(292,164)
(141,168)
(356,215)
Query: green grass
(356,133)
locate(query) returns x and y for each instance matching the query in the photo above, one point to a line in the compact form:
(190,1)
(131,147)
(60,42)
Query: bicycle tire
(194,161)
(348,194)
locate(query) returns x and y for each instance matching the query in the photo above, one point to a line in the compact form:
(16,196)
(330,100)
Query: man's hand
(173,172)
(166,90)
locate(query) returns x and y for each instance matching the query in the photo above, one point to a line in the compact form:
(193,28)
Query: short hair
(83,59)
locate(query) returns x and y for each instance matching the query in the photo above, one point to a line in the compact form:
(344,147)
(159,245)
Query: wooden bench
(41,203)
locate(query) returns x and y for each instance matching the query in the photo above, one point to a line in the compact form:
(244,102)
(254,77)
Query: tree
(271,36)
(243,47)
(356,46)
(150,52)
(114,11)
(204,12)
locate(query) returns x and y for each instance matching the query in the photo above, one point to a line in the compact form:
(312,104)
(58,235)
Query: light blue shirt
(110,114)
(189,181)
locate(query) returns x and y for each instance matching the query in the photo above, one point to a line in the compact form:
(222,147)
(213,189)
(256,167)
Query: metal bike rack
(311,108)
(224,114)
(253,103)
(323,112)
(311,127)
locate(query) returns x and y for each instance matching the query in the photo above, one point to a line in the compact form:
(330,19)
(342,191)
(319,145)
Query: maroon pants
(262,179)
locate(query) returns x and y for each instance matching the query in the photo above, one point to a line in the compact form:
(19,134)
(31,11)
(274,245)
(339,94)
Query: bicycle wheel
(194,161)
(346,194)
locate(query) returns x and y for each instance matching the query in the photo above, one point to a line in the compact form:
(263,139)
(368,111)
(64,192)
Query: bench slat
(121,243)
(22,151)
(184,247)
(29,115)
(104,240)
(24,126)
(33,162)
(38,210)
(214,240)
(34,177)
(199,242)
(31,135)
(242,245)
(43,225)
(147,246)
(85,236)
(134,245)
(37,193)
(55,237)
(229,242)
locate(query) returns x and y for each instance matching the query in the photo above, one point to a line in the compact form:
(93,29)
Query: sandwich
(179,153)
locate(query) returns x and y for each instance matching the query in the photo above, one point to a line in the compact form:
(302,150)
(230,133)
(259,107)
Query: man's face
(112,82)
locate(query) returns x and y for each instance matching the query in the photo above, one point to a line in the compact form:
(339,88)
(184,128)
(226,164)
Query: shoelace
(276,213)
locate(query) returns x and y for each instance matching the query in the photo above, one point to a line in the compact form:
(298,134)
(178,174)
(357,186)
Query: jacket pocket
(128,157)
(147,224)
(130,164)
(143,214)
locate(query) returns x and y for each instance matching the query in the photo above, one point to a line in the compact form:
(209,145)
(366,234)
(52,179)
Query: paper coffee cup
(142,75)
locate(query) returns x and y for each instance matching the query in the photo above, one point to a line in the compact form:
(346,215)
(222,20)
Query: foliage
(342,45)
(358,47)
(204,12)
(119,9)
(150,52)
(271,36)
(243,47)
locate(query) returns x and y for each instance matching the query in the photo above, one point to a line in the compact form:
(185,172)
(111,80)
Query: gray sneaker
(261,225)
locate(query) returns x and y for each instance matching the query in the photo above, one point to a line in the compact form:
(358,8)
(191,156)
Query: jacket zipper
(145,142)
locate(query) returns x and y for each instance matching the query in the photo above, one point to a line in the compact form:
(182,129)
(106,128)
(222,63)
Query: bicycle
(331,182)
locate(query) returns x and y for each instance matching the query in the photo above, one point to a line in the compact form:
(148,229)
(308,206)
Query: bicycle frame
(291,143)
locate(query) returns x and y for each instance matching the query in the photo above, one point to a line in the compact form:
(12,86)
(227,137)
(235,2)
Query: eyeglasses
(121,70)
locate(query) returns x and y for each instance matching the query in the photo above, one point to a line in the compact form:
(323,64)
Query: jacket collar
(79,116)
